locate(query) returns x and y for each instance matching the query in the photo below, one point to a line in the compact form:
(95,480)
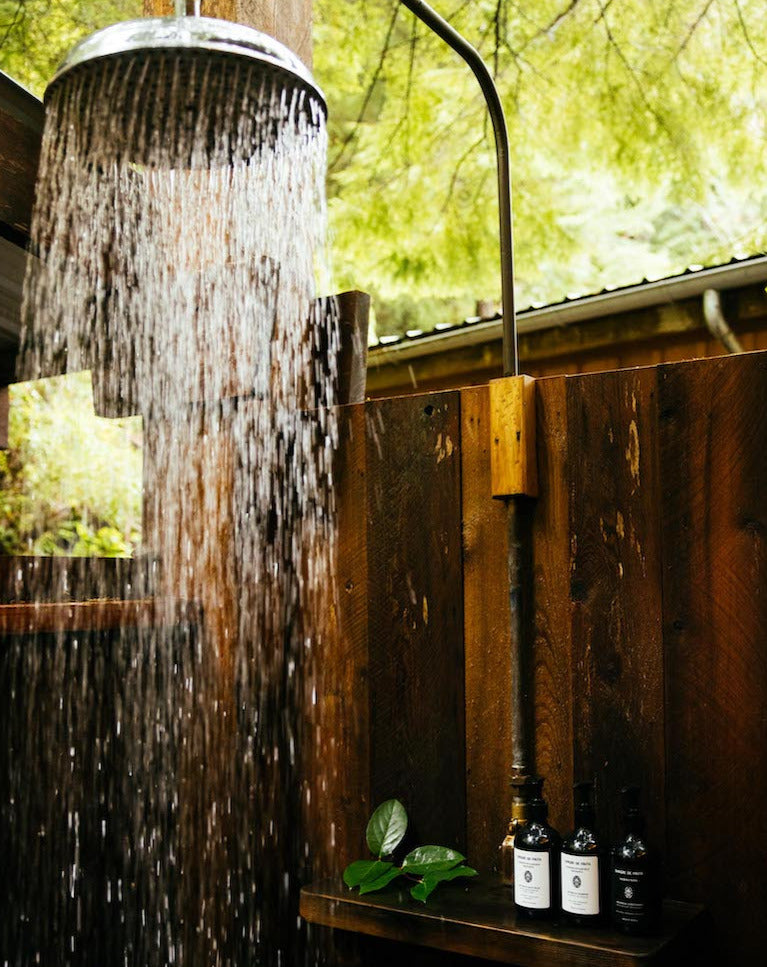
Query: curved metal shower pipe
(518,508)
(461,46)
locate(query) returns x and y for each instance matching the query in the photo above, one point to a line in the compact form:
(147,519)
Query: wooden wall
(650,568)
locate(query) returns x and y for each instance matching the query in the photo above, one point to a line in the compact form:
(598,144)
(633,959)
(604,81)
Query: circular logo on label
(528,876)
(628,892)
(576,881)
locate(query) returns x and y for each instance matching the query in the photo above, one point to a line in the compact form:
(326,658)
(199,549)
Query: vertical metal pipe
(495,108)
(519,563)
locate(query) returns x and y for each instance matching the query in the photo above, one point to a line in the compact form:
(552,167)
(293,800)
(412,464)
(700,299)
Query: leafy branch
(426,866)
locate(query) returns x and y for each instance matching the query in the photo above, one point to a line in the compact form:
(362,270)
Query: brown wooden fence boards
(486,639)
(713,435)
(651,603)
(617,664)
(415,611)
(392,699)
(553,686)
(341,798)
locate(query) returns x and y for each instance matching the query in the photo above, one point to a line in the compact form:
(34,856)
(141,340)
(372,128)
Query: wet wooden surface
(21,126)
(341,752)
(713,436)
(479,921)
(615,590)
(415,612)
(553,680)
(486,639)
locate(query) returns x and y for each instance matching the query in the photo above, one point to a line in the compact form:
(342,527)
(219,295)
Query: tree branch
(18,17)
(551,25)
(369,93)
(747,35)
(693,27)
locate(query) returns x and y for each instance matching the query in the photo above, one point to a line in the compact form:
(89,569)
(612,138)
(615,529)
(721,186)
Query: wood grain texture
(19,155)
(713,439)
(289,21)
(552,682)
(340,801)
(486,640)
(513,465)
(415,600)
(617,656)
(478,920)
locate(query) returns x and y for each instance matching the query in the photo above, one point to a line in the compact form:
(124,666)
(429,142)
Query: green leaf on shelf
(421,891)
(386,828)
(431,859)
(370,886)
(363,870)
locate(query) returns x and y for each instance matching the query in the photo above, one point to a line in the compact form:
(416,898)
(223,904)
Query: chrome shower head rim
(188,34)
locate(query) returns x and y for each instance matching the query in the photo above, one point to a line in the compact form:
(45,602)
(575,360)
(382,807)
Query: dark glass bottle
(634,872)
(536,861)
(583,863)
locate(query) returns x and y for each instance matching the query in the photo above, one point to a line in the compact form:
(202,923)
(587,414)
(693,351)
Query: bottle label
(580,885)
(630,892)
(532,879)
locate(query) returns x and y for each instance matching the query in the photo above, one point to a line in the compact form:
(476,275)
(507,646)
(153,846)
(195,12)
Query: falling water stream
(152,812)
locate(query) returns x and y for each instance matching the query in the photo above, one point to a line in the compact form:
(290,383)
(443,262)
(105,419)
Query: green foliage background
(70,483)
(638,143)
(638,132)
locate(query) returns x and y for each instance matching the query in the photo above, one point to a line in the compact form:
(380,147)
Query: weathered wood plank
(552,683)
(713,438)
(21,125)
(486,639)
(617,656)
(415,600)
(340,803)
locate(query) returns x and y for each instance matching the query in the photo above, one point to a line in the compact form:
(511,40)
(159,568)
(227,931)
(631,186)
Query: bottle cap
(525,790)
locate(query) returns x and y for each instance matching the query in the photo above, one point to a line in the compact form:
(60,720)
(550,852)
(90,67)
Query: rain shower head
(163,73)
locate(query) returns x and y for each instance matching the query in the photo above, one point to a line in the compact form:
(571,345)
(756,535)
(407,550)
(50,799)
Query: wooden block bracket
(513,464)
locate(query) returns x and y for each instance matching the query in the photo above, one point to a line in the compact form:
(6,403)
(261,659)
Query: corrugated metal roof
(611,299)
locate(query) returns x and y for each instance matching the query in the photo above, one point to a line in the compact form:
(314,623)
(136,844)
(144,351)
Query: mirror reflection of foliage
(70,483)
(637,143)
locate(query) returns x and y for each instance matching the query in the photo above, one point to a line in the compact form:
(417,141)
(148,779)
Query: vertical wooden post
(289,21)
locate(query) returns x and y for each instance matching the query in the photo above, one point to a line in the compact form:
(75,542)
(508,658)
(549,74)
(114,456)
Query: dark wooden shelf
(479,920)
